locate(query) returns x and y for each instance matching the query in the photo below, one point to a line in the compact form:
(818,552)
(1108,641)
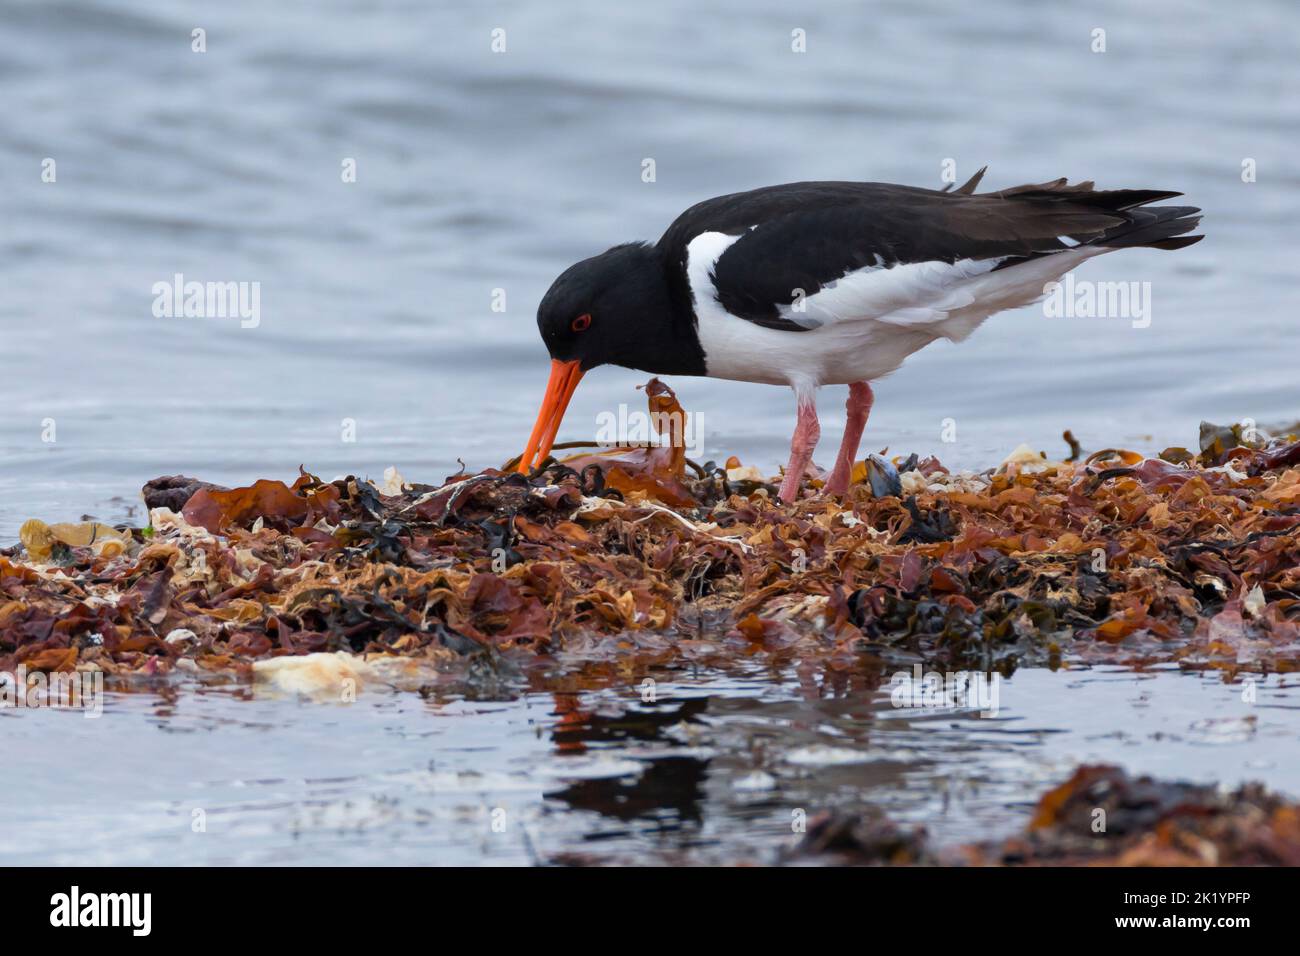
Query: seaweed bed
(633,557)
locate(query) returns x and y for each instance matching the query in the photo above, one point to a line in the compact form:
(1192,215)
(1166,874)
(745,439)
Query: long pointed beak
(565,377)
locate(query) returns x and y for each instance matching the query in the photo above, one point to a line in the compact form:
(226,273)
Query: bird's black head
(615,309)
(612,309)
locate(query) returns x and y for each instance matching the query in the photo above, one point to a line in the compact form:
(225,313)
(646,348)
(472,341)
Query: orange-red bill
(565,377)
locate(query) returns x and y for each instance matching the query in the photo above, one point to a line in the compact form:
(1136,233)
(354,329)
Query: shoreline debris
(635,554)
(1100,816)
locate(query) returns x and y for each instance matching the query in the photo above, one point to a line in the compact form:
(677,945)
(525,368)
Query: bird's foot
(793,482)
(789,488)
(838,482)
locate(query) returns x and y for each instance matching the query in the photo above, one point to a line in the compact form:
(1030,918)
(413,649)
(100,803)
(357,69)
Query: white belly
(737,349)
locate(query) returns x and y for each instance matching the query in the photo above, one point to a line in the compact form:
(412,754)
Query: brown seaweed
(638,553)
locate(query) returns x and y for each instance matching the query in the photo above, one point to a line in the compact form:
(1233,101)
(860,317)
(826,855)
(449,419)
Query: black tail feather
(1109,217)
(1159,228)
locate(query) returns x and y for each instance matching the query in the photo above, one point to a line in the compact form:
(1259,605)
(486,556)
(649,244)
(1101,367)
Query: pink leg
(806,433)
(859,407)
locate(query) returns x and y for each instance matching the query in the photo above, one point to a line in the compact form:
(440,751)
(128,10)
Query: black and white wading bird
(832,283)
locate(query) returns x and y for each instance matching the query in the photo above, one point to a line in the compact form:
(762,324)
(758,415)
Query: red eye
(580,323)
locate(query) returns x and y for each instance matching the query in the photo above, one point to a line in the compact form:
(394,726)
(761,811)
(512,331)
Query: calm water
(712,772)
(481,171)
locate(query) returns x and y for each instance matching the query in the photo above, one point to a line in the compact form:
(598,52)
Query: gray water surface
(480,171)
(715,770)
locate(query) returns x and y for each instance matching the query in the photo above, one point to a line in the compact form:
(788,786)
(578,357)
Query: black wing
(802,236)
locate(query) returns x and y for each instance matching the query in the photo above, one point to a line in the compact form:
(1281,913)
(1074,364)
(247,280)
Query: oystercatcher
(828,283)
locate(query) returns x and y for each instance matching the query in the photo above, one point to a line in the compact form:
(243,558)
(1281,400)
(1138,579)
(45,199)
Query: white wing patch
(863,325)
(914,293)
(702,254)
